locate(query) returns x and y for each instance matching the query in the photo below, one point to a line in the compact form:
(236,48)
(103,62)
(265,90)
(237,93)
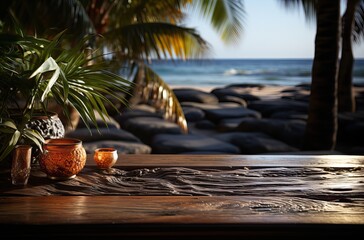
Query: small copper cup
(105,158)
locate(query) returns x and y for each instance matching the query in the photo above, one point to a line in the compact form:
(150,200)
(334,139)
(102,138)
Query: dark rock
(289,115)
(91,135)
(268,107)
(233,99)
(255,142)
(234,92)
(193,114)
(194,95)
(290,90)
(205,106)
(297,97)
(287,131)
(169,144)
(146,127)
(229,124)
(120,146)
(305,86)
(246,85)
(215,115)
(121,119)
(205,124)
(208,131)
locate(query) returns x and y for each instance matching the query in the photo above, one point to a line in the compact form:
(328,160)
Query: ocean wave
(267,72)
(234,71)
(218,72)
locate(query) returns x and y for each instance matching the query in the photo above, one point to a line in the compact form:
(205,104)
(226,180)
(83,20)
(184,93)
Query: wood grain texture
(175,217)
(164,196)
(173,210)
(231,161)
(332,184)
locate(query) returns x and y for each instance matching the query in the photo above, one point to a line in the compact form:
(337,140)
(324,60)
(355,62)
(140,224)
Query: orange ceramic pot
(62,158)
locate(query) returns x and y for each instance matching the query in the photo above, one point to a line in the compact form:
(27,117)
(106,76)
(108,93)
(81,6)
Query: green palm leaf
(146,40)
(47,66)
(308,6)
(9,137)
(49,17)
(358,32)
(34,136)
(226,17)
(8,125)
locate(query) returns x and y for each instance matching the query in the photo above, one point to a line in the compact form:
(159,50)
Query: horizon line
(253,58)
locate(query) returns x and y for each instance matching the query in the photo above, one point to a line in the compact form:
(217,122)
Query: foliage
(134,31)
(226,17)
(156,90)
(310,11)
(34,71)
(358,31)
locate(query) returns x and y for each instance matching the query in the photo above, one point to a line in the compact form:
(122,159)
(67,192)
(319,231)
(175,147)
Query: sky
(270,31)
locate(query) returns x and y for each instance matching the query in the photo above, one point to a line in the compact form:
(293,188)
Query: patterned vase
(62,158)
(49,126)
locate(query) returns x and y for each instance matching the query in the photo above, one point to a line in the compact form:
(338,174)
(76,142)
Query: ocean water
(222,72)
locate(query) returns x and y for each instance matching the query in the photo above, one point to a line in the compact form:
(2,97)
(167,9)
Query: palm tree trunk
(321,126)
(346,96)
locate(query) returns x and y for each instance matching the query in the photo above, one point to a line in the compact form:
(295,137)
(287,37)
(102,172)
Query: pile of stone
(229,120)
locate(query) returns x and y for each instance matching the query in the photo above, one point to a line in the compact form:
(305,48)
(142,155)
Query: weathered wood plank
(174,210)
(330,184)
(231,161)
(255,196)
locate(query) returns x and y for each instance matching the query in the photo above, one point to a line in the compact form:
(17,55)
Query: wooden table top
(166,196)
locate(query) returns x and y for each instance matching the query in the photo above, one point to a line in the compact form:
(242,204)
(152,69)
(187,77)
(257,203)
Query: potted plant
(36,71)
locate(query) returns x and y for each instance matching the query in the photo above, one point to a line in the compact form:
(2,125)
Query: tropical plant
(136,31)
(152,33)
(34,71)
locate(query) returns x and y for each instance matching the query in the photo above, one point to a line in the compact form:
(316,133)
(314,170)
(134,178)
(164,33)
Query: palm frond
(227,17)
(48,21)
(308,6)
(140,11)
(90,88)
(11,140)
(358,31)
(155,92)
(11,134)
(140,41)
(145,40)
